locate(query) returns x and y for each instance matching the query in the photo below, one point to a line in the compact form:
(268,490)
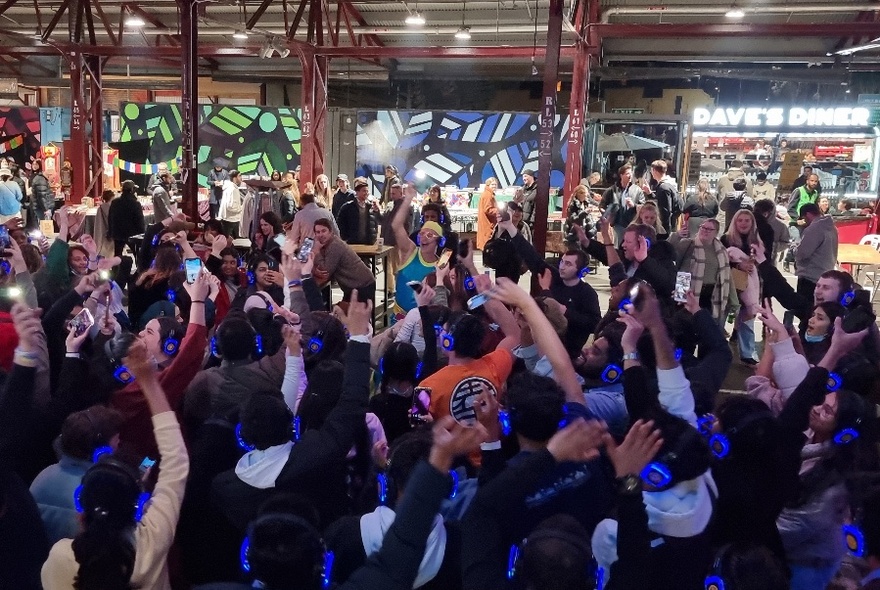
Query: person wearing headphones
(415,259)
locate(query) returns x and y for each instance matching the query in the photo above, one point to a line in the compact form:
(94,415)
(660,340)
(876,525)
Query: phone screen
(193,267)
(682,286)
(82,322)
(4,237)
(415,286)
(477,300)
(444,258)
(306,249)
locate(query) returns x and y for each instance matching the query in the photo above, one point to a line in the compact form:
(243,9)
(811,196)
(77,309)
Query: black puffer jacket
(42,197)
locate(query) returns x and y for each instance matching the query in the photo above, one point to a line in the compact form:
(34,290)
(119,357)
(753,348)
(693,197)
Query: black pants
(214,209)
(364,293)
(706,296)
(118,247)
(230,228)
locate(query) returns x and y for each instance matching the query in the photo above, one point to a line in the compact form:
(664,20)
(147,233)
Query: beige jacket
(154,534)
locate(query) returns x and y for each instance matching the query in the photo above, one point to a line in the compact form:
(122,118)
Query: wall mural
(458,148)
(253,140)
(20,134)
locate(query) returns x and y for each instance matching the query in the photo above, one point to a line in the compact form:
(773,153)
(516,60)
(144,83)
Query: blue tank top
(415,269)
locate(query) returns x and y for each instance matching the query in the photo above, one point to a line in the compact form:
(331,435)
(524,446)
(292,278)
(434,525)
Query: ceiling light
(242,35)
(463,33)
(735,12)
(134,21)
(415,19)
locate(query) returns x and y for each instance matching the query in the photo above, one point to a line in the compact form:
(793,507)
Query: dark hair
(268,329)
(84,431)
(624,169)
(740,184)
(235,338)
(233,174)
(324,223)
(535,406)
(166,262)
(582,258)
(430,206)
(333,340)
(751,429)
(408,450)
(751,567)
(659,166)
(832,309)
(761,175)
(843,278)
(274,172)
(321,394)
(33,259)
(684,452)
(467,331)
(285,552)
(399,363)
(266,421)
(765,207)
(272,219)
(306,197)
(557,556)
(215,225)
(104,549)
(229,251)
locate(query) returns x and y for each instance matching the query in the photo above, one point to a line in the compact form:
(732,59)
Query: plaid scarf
(722,284)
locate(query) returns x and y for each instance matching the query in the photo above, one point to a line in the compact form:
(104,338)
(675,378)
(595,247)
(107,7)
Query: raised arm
(544,335)
(500,315)
(405,246)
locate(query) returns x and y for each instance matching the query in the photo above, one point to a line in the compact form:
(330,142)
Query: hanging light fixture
(463,32)
(240,35)
(133,21)
(735,12)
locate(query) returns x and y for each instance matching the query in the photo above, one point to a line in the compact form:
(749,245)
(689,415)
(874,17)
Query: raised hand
(635,452)
(451,440)
(486,408)
(641,249)
(692,303)
(198,290)
(139,362)
(509,293)
(358,317)
(425,296)
(292,339)
(634,330)
(27,326)
(545,279)
(578,442)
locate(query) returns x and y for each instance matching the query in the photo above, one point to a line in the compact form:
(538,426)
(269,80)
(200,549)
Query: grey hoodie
(725,183)
(817,251)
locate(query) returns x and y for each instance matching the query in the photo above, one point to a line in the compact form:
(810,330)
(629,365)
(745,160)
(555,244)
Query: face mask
(812,338)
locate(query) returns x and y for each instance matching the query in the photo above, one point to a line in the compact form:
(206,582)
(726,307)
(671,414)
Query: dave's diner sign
(796,117)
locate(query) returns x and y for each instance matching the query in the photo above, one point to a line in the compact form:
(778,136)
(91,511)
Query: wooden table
(374,255)
(857,255)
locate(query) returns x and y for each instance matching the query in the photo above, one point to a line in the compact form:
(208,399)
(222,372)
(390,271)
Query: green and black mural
(254,140)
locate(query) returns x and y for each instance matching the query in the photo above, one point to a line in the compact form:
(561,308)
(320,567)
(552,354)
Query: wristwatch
(631,356)
(629,485)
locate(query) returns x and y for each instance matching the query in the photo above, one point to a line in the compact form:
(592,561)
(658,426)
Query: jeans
(745,334)
(812,578)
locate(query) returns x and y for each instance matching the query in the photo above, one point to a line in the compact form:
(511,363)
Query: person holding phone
(706,259)
(620,201)
(416,260)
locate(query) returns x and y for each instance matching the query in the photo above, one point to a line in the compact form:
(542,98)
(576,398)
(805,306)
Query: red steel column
(189,107)
(314,114)
(548,119)
(577,110)
(78,155)
(96,115)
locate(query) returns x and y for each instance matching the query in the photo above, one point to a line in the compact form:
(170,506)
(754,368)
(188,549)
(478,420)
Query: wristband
(295,283)
(490,446)
(197,301)
(304,277)
(631,356)
(26,354)
(73,355)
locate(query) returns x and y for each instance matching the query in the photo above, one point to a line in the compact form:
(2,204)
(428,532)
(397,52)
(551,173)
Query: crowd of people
(199,417)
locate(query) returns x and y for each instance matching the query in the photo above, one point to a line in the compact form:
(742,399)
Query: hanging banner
(137,168)
(11,144)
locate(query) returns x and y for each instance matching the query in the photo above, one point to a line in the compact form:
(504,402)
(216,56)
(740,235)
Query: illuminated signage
(781,117)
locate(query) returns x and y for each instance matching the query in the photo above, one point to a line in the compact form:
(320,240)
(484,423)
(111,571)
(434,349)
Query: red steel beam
(577,106)
(79,142)
(567,51)
(622,30)
(546,133)
(107,27)
(96,117)
(314,115)
(257,14)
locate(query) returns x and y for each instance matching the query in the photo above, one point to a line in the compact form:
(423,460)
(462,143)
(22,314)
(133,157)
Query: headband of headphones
(120,371)
(108,463)
(294,433)
(326,568)
(720,443)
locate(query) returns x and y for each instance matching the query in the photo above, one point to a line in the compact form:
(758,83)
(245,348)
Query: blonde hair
(733,236)
(703,193)
(486,185)
(323,197)
(579,190)
(651,206)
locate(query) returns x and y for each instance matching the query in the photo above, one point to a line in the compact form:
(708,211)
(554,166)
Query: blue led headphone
(294,433)
(846,435)
(99,444)
(170,341)
(4,264)
(217,352)
(834,382)
(848,297)
(447,337)
(658,473)
(854,539)
(582,545)
(120,371)
(316,342)
(612,373)
(440,243)
(469,283)
(326,568)
(111,464)
(171,294)
(504,420)
(384,487)
(715,579)
(719,443)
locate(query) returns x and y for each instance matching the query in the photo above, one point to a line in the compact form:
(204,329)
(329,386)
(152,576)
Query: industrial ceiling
(368,39)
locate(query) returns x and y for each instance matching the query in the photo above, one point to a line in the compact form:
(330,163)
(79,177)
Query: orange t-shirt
(454,387)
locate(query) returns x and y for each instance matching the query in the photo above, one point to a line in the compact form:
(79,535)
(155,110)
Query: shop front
(840,143)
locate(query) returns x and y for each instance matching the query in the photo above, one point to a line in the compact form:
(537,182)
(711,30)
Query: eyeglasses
(707,228)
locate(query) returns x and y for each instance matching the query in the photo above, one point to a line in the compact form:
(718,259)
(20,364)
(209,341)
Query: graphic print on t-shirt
(461,402)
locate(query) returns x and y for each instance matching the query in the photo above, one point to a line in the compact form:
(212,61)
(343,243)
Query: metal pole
(96,114)
(577,109)
(78,154)
(189,107)
(548,119)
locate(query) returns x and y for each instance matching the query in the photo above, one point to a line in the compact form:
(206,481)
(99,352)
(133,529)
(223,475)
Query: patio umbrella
(627,142)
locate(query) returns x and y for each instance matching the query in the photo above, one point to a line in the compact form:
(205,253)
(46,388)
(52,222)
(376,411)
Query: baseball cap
(342,177)
(359,183)
(528,171)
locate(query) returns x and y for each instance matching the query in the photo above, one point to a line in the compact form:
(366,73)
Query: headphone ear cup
(447,342)
(170,346)
(442,241)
